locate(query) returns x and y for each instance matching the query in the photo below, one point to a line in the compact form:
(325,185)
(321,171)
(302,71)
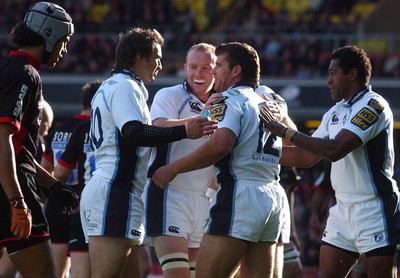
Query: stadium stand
(304,30)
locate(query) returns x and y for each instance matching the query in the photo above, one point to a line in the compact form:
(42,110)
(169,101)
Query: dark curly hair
(20,36)
(350,57)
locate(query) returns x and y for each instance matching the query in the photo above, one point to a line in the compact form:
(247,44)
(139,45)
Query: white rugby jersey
(367,171)
(177,102)
(255,157)
(120,99)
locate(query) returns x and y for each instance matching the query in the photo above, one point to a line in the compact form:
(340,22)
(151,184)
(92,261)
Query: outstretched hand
(270,121)
(276,110)
(198,126)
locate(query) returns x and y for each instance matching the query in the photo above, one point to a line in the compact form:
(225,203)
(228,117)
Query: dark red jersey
(20,104)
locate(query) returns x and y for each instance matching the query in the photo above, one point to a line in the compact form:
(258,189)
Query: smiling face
(198,67)
(147,68)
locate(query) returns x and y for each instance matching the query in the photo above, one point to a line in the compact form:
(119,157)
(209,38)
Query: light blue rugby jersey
(120,99)
(255,157)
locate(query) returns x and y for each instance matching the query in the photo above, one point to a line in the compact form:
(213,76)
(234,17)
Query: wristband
(294,136)
(290,134)
(17,202)
(284,132)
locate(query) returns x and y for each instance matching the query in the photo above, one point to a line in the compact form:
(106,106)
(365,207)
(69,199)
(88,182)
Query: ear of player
(21,219)
(64,197)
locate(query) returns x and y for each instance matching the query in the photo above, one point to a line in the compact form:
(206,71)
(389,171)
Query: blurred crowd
(293,37)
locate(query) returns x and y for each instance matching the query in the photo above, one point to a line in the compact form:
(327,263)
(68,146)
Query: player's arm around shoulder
(220,144)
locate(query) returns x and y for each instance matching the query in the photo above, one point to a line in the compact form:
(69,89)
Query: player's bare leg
(61,260)
(218,256)
(172,253)
(80,265)
(108,255)
(35,261)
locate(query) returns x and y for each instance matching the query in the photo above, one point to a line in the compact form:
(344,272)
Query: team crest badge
(376,105)
(277,97)
(234,92)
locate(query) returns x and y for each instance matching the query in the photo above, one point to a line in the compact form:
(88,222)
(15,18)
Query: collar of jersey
(243,83)
(186,87)
(31,60)
(359,95)
(127,72)
(134,77)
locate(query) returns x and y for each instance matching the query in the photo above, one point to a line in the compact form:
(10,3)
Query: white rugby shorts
(107,210)
(365,226)
(182,213)
(252,212)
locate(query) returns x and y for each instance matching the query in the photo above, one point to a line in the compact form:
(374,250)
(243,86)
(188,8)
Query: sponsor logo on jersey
(173,229)
(376,105)
(18,105)
(58,145)
(217,112)
(87,214)
(136,233)
(195,106)
(364,118)
(378,237)
(62,136)
(334,119)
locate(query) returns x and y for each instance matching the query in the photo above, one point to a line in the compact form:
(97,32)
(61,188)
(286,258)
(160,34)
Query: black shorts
(59,223)
(40,230)
(76,237)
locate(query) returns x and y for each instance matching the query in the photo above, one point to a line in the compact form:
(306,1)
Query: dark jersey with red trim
(58,140)
(79,154)
(20,105)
